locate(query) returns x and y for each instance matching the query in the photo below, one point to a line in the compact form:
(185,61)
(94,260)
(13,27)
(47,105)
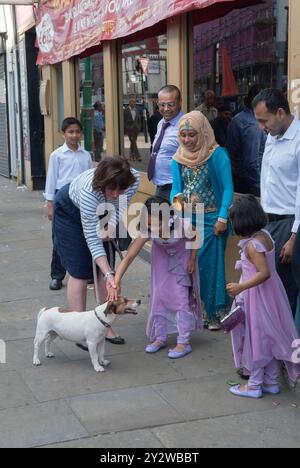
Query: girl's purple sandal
(255,394)
(179,354)
(152,348)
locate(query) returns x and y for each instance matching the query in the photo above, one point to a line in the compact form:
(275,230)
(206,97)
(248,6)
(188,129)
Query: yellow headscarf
(206,143)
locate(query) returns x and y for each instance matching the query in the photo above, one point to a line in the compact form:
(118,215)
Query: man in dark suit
(132,126)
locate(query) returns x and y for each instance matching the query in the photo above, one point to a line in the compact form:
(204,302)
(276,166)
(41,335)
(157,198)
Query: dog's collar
(102,321)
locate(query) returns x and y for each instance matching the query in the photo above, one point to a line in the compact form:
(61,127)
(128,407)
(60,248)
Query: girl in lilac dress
(175,304)
(269,334)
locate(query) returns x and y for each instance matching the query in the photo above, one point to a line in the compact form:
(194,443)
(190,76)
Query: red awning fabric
(229,87)
(68,28)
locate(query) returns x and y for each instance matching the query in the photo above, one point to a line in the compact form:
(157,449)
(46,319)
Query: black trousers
(296,260)
(57,270)
(281,233)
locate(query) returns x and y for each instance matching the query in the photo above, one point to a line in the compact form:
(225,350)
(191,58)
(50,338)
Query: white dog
(87,328)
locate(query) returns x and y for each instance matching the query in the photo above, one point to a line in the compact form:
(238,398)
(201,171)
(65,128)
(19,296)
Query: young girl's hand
(220,228)
(113,292)
(234,289)
(192,266)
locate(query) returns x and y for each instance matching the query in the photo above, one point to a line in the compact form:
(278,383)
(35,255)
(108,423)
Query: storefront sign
(68,27)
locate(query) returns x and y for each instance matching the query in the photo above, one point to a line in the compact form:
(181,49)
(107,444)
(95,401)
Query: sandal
(254,394)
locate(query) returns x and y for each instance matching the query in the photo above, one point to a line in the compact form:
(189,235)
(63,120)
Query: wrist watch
(108,274)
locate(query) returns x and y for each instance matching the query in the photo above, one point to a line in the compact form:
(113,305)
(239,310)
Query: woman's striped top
(93,204)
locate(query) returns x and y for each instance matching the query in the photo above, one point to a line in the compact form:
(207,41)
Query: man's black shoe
(55,285)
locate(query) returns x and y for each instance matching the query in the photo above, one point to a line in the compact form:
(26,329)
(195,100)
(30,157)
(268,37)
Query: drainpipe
(21,164)
(87,111)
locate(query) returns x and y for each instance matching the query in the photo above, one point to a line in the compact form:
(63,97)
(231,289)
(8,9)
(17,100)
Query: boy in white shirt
(65,164)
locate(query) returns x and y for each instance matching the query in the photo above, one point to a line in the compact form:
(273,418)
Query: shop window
(246,50)
(92,106)
(144,73)
(246,47)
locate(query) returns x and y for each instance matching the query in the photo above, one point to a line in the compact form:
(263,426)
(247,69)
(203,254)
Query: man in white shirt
(280,179)
(65,164)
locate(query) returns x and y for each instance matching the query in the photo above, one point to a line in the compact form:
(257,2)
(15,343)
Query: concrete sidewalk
(141,400)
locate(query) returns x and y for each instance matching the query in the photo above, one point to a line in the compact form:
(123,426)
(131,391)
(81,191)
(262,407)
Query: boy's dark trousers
(57,270)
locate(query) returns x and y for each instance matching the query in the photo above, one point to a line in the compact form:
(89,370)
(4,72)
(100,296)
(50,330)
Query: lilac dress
(175,303)
(269,331)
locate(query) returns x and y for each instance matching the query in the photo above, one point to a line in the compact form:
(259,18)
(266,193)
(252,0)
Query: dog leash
(111,244)
(106,325)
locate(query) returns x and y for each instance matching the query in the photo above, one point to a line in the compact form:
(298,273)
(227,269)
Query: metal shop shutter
(4,151)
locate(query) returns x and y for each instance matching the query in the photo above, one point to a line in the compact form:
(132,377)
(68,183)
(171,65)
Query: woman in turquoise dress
(202,175)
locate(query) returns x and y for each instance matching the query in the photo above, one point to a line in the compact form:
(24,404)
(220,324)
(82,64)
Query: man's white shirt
(280,176)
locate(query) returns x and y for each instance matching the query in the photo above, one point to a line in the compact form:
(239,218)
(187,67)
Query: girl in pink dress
(269,334)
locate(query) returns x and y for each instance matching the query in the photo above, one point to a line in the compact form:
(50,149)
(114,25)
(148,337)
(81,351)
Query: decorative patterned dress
(197,188)
(210,184)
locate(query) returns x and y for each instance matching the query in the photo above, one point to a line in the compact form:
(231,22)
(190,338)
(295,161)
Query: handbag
(236,317)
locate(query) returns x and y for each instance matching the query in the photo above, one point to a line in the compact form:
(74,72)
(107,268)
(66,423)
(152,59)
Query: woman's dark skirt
(70,242)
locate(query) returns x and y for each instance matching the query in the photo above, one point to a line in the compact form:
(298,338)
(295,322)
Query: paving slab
(17,330)
(14,392)
(128,439)
(209,397)
(276,428)
(55,379)
(19,355)
(32,426)
(123,410)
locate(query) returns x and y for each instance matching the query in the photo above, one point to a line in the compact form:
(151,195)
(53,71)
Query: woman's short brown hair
(113,173)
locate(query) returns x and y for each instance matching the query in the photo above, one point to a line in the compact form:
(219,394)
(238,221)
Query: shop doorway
(34,135)
(4,149)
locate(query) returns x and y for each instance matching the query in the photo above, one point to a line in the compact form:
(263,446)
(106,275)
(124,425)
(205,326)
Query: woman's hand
(234,289)
(50,210)
(220,228)
(192,265)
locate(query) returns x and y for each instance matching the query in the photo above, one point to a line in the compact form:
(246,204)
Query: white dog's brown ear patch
(64,310)
(111,308)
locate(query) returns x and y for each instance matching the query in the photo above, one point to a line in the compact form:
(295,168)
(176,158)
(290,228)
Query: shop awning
(68,28)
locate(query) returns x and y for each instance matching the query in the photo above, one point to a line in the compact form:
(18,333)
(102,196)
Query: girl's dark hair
(70,121)
(154,207)
(247,216)
(113,173)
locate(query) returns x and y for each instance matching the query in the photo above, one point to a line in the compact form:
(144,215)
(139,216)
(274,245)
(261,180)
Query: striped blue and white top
(93,204)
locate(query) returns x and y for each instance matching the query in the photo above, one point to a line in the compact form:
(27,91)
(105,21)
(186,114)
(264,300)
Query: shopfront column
(179,52)
(52,122)
(68,69)
(112,104)
(294,56)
